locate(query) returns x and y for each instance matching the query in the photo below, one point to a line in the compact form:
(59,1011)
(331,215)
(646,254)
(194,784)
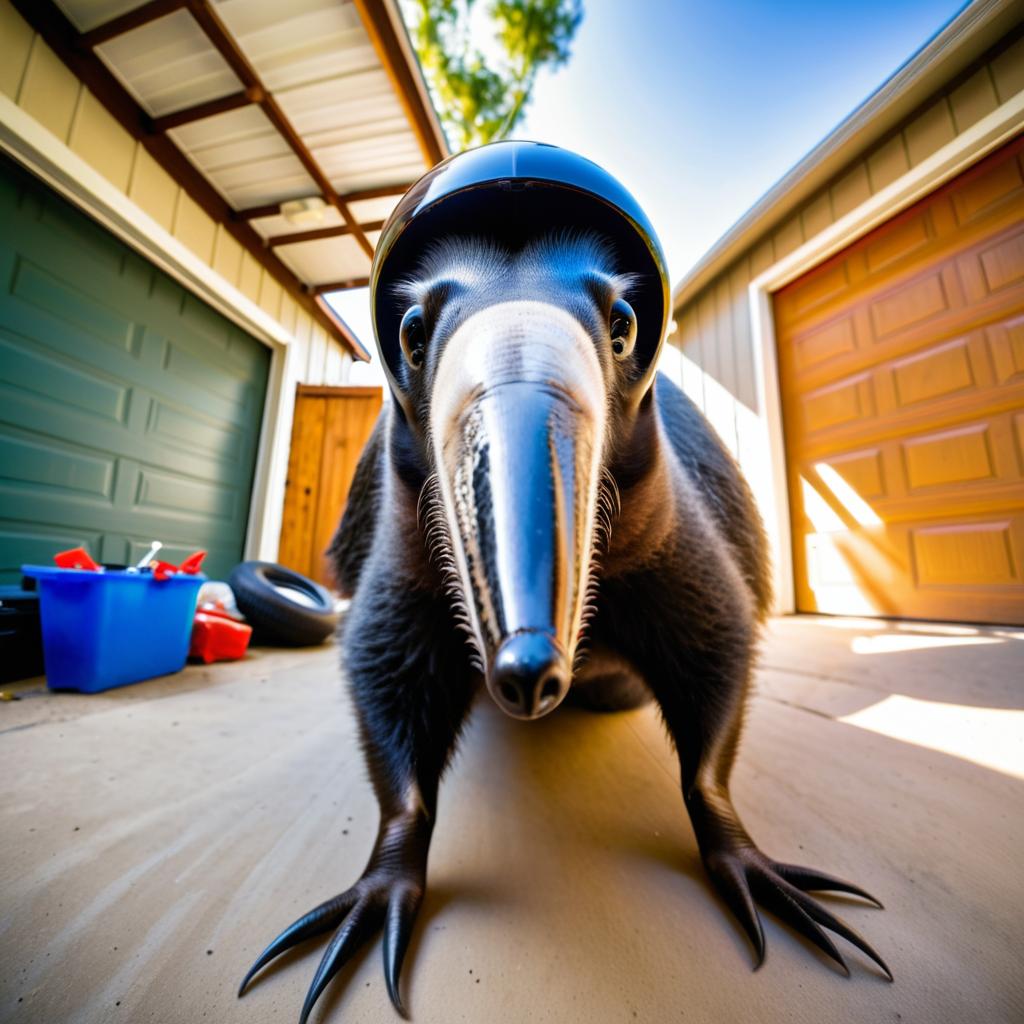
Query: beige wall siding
(713,328)
(37,80)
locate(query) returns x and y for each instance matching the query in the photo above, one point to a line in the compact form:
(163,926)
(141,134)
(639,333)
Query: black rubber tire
(274,617)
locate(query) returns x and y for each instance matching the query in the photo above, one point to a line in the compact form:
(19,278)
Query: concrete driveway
(153,839)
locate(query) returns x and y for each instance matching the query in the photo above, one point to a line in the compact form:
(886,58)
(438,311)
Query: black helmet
(511,192)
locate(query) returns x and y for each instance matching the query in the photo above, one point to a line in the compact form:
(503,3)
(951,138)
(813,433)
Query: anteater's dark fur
(683,587)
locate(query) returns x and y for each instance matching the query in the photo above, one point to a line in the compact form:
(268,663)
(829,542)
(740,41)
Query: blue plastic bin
(106,629)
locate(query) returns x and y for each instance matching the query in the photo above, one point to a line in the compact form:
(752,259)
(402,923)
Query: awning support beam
(209,21)
(317,234)
(129,21)
(210,108)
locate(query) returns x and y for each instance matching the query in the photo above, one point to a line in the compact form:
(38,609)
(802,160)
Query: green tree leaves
(481,98)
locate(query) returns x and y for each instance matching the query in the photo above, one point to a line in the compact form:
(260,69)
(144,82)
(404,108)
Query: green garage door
(129,410)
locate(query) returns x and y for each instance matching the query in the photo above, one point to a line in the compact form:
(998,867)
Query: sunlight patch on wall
(990,737)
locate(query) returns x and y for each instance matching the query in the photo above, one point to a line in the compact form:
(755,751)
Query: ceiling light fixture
(302,212)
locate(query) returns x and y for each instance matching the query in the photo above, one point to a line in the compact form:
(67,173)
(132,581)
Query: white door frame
(944,164)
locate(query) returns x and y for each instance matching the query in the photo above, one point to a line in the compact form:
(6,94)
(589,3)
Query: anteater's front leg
(691,636)
(411,684)
(702,700)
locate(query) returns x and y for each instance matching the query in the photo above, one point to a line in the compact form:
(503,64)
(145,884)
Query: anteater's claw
(390,898)
(403,907)
(732,885)
(363,920)
(816,911)
(319,920)
(810,880)
(744,875)
(777,900)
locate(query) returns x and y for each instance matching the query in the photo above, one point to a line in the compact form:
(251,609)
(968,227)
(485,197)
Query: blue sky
(700,107)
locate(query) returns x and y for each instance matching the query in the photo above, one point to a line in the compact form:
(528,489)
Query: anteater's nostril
(551,689)
(511,694)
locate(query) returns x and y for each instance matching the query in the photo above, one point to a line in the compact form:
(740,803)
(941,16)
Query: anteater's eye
(413,335)
(622,328)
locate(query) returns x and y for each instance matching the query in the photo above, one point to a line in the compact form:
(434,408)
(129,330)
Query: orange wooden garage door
(902,373)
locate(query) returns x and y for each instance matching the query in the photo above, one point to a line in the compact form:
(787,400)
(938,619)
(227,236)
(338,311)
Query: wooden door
(330,428)
(901,365)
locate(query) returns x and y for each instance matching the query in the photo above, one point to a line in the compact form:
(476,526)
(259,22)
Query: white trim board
(49,159)
(943,165)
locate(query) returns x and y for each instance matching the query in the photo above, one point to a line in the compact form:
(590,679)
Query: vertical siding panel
(303,329)
(300,356)
(153,189)
(1008,72)
(99,140)
(270,295)
(927,133)
(346,367)
(17,37)
(788,238)
(761,258)
(973,100)
(49,91)
(706,331)
(336,371)
(852,189)
(317,355)
(227,255)
(816,216)
(746,387)
(887,163)
(693,379)
(289,313)
(249,280)
(193,227)
(728,375)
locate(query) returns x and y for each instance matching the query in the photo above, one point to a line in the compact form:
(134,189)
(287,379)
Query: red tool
(164,570)
(192,563)
(75,558)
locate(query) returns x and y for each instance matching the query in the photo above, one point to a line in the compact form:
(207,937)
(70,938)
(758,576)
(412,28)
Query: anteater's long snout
(518,427)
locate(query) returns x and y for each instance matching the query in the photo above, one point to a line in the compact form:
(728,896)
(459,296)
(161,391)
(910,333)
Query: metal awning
(307,118)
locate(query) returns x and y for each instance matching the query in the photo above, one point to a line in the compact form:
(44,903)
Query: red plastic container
(216,636)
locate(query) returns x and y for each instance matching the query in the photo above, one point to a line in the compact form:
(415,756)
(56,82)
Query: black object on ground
(283,607)
(21,641)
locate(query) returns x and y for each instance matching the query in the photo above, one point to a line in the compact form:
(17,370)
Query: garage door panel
(153,432)
(845,345)
(225,393)
(135,515)
(201,500)
(952,254)
(903,402)
(53,301)
(902,240)
(981,193)
(29,369)
(184,431)
(34,544)
(128,410)
(837,426)
(962,555)
(37,462)
(974,465)
(91,357)
(1006,343)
